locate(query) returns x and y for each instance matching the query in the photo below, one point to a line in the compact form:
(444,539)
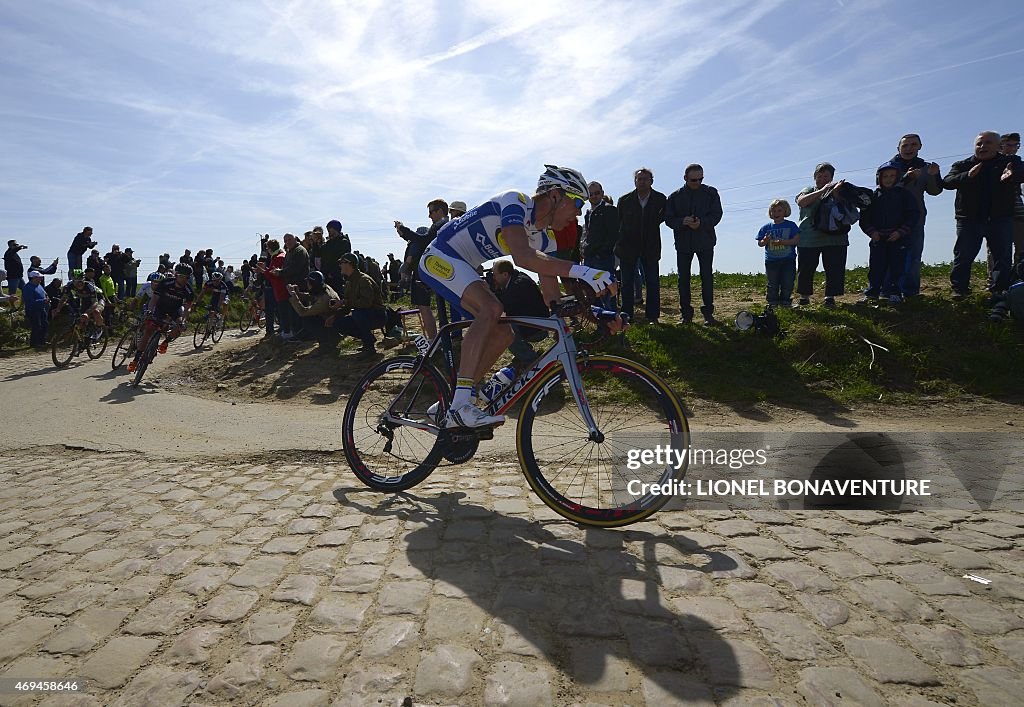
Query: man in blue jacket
(918,177)
(37,308)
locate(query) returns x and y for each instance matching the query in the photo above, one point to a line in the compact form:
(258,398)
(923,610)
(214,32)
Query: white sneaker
(471,416)
(432,410)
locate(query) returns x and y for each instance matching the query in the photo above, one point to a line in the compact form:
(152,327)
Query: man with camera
(14,267)
(82,242)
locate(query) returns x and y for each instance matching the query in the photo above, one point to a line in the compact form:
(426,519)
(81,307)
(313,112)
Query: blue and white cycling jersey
(476,237)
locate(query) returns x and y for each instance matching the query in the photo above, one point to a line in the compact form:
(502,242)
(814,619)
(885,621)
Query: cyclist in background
(172,299)
(510,223)
(83,298)
(217,287)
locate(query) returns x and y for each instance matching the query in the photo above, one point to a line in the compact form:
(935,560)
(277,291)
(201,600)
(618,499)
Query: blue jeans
(998,233)
(39,320)
(74,262)
(360,324)
(910,283)
(705,259)
(652,305)
(15,285)
(781,276)
(886,260)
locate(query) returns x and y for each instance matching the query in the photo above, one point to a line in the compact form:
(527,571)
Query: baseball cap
(349,258)
(34,273)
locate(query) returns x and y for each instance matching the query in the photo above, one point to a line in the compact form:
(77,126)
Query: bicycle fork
(570,365)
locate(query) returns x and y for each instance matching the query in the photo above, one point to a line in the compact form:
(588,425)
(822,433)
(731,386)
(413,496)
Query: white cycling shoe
(471,416)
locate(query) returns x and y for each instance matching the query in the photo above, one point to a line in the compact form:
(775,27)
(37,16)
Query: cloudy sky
(197,124)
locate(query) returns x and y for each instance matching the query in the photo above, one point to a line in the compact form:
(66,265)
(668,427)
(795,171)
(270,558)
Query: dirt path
(246,397)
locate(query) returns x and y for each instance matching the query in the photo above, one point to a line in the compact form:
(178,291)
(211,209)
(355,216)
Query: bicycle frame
(563,352)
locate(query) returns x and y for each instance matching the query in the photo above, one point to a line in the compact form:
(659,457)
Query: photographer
(82,242)
(14,267)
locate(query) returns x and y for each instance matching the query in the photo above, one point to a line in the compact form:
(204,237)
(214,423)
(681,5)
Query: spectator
(53,291)
(246,271)
(36,263)
(362,298)
(692,212)
(79,245)
(1009,145)
(437,210)
(779,239)
(917,177)
(317,311)
(520,296)
(395,275)
(230,275)
(165,260)
(293,272)
(337,245)
(131,272)
(641,213)
(186,258)
(893,215)
(456,209)
(95,261)
(314,246)
(5,299)
(274,288)
(106,284)
(600,231)
(115,259)
(814,244)
(14,266)
(986,187)
(37,308)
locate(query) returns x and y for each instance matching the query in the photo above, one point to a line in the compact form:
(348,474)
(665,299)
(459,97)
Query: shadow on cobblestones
(577,598)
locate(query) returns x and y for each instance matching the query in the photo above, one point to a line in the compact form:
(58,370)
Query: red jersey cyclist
(171,298)
(510,223)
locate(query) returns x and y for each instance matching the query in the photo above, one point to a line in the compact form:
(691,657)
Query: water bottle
(422,343)
(498,382)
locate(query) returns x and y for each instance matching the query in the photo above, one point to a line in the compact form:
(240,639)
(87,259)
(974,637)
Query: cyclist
(172,298)
(83,298)
(510,223)
(218,288)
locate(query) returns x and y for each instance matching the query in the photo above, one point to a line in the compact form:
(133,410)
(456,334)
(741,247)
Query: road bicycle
(160,327)
(209,327)
(583,419)
(249,317)
(75,338)
(128,344)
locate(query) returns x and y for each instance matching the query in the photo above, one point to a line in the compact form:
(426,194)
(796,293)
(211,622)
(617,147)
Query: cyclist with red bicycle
(510,223)
(171,299)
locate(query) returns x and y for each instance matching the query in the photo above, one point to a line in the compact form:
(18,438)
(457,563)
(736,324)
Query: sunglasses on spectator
(696,180)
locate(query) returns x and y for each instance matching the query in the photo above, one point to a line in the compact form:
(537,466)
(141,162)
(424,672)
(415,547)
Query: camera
(22,247)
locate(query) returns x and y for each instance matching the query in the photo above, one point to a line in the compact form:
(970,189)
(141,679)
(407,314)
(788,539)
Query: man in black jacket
(437,210)
(520,296)
(14,266)
(641,213)
(600,231)
(82,242)
(692,212)
(986,194)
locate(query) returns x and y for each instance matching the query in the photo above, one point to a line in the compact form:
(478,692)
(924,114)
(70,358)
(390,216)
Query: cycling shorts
(448,275)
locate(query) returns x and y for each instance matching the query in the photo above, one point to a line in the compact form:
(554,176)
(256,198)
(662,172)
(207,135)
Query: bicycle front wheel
(201,332)
(592,482)
(62,349)
(245,321)
(387,455)
(218,329)
(125,348)
(95,348)
(146,358)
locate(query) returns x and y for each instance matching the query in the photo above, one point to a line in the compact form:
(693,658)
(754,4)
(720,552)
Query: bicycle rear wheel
(218,329)
(384,455)
(245,321)
(95,348)
(589,481)
(146,358)
(62,348)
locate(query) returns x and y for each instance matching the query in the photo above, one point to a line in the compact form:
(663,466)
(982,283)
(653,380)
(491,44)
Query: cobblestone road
(284,583)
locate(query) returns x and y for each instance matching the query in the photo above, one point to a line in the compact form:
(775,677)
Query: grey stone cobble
(170,583)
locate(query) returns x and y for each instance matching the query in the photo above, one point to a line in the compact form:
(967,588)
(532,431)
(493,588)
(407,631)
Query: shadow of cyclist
(577,599)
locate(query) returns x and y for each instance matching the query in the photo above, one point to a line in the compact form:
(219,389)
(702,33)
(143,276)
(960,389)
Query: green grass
(937,348)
